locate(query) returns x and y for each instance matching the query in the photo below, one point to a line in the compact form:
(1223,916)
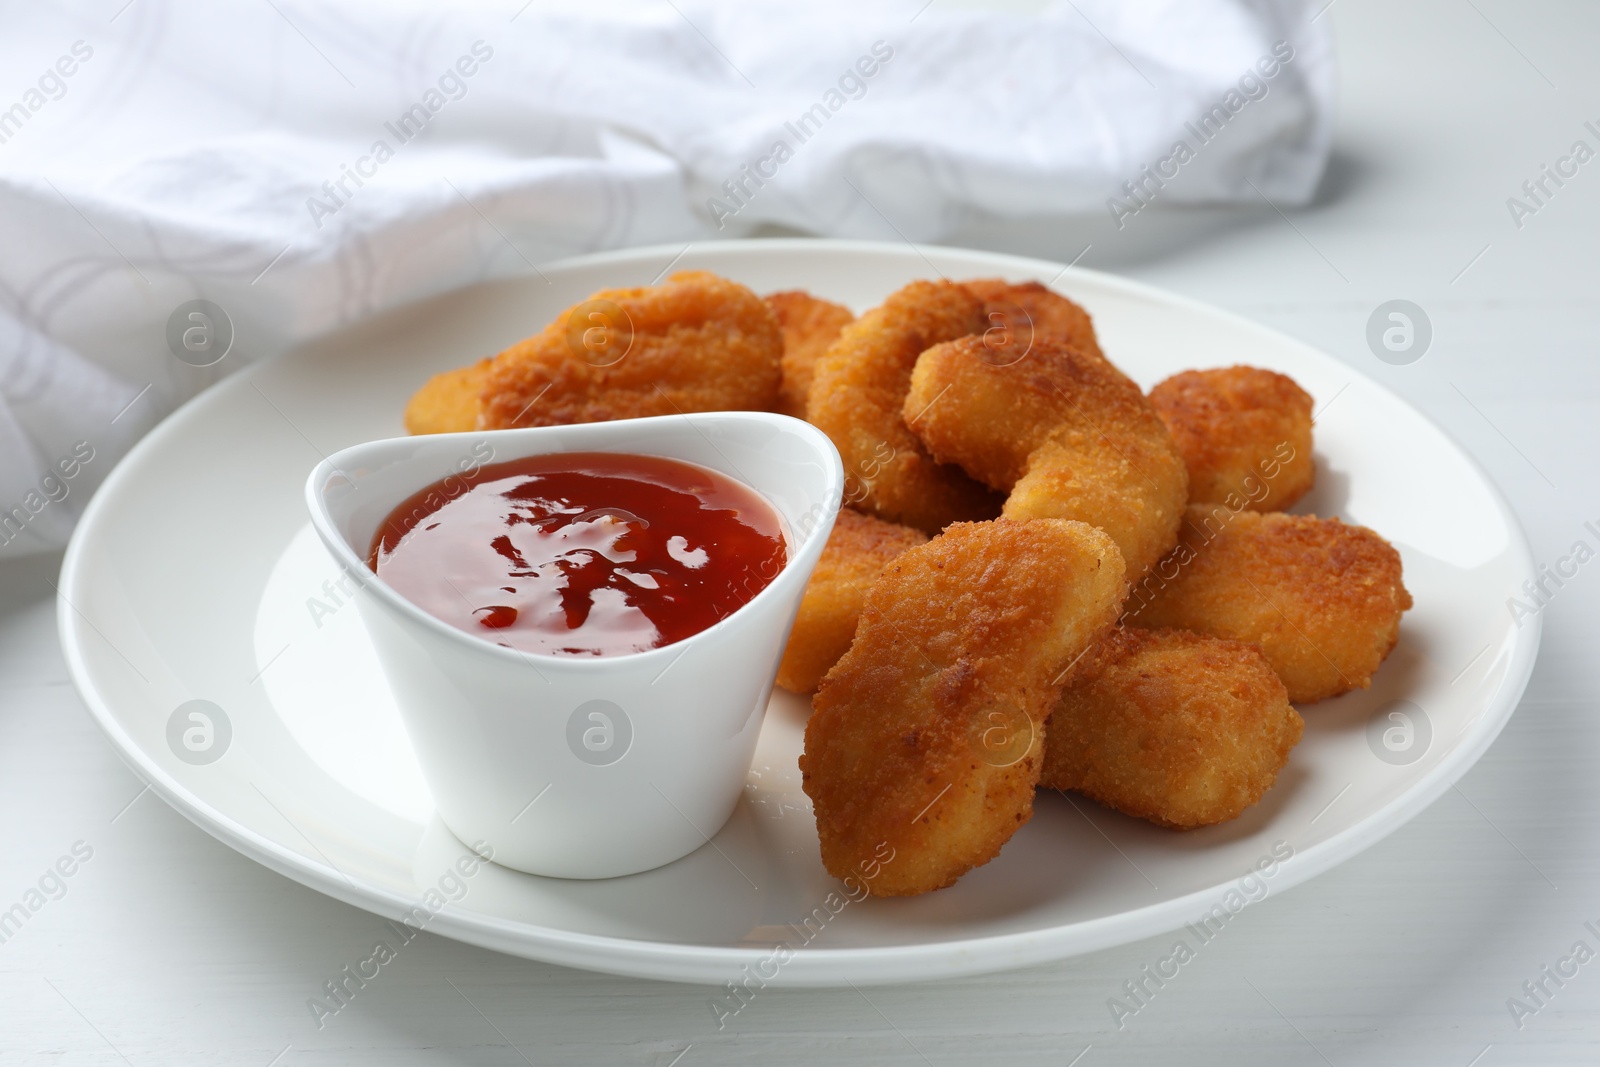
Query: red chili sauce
(582,553)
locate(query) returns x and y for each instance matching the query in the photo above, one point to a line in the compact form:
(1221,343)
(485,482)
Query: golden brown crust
(1245,434)
(856,396)
(858,549)
(925,740)
(695,343)
(1179,728)
(1045,313)
(451,402)
(1322,599)
(1065,433)
(810,325)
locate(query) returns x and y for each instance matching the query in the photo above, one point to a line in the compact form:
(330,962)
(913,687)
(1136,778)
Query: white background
(169,948)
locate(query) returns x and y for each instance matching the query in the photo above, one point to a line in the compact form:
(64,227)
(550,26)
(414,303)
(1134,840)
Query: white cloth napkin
(301,166)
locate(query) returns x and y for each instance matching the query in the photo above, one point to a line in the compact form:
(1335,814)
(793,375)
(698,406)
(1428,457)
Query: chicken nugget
(856,395)
(698,342)
(1244,432)
(1063,431)
(858,549)
(449,402)
(1175,727)
(1022,311)
(809,326)
(1321,598)
(926,739)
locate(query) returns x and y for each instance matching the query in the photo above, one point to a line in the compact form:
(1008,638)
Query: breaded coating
(1179,728)
(1063,431)
(695,343)
(810,325)
(1244,432)
(858,549)
(856,395)
(449,402)
(1322,599)
(926,740)
(1044,313)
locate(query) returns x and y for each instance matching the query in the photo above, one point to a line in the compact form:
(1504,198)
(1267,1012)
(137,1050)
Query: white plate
(195,576)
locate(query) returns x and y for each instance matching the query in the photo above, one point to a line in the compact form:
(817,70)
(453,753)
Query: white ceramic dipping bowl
(579,767)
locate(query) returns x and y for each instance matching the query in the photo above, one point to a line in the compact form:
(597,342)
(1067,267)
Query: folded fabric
(302,166)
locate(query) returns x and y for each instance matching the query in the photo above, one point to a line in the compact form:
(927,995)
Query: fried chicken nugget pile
(1065,433)
(1175,727)
(810,325)
(698,342)
(941,662)
(927,736)
(858,549)
(1245,434)
(1322,599)
(857,392)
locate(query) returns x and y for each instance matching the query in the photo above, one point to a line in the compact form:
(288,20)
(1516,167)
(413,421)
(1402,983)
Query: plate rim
(811,966)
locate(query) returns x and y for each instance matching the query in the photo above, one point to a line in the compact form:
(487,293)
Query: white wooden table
(165,947)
